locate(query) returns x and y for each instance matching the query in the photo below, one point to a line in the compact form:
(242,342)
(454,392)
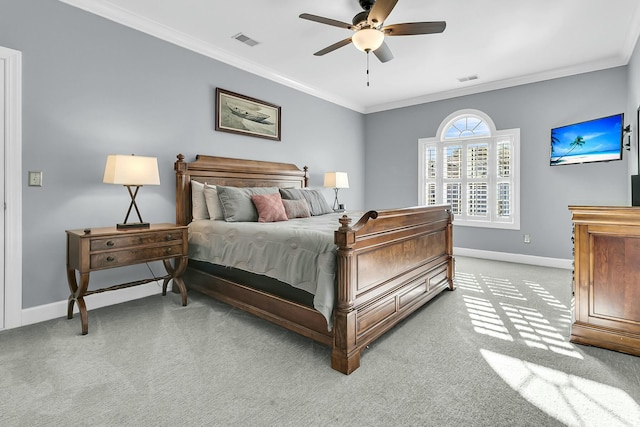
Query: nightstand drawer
(133,256)
(135,240)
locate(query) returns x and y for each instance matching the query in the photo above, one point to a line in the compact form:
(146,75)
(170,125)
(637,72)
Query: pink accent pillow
(269,207)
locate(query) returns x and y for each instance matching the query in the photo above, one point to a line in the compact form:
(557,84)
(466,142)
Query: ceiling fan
(369,31)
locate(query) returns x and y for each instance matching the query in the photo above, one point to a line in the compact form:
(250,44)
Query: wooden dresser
(607,277)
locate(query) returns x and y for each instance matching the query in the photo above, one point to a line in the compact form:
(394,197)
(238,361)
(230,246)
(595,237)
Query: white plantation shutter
(477,179)
(478,160)
(473,168)
(503,157)
(431,168)
(453,162)
(454,197)
(431,194)
(477,199)
(430,159)
(504,178)
(503,199)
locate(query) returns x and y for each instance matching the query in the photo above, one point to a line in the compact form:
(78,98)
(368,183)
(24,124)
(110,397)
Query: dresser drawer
(117,242)
(135,255)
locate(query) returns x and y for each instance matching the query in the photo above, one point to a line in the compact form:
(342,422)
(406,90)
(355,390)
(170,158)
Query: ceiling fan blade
(333,47)
(323,20)
(383,53)
(380,10)
(414,28)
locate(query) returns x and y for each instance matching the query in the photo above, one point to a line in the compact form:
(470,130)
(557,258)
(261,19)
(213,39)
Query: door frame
(13,188)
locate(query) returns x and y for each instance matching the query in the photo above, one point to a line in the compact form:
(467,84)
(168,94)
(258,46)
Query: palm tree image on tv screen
(598,140)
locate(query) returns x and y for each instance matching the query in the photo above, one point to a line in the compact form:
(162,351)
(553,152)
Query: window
(474,168)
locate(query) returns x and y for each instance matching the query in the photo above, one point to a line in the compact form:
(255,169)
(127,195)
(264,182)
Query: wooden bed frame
(390,262)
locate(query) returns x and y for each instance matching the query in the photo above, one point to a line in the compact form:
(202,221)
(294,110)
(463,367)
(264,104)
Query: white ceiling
(503,42)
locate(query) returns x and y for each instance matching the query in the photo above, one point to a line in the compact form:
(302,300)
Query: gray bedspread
(299,252)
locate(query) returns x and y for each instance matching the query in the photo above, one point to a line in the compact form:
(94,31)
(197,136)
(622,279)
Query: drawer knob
(110,243)
(169,237)
(169,250)
(110,258)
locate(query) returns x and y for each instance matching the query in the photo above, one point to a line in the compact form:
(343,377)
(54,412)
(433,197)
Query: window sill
(486,224)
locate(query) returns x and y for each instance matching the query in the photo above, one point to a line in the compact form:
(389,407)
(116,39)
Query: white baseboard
(54,310)
(518,258)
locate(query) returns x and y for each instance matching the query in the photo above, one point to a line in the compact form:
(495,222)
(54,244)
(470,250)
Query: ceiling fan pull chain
(368,68)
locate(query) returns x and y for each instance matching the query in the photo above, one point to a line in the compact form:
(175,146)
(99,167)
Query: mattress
(299,252)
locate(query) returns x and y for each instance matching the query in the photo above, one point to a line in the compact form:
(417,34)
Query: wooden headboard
(233,172)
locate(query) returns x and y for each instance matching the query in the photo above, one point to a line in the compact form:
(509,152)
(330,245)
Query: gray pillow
(317,203)
(236,202)
(198,202)
(214,208)
(296,208)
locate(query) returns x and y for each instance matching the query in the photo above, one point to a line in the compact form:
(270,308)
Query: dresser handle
(110,258)
(110,243)
(169,250)
(169,237)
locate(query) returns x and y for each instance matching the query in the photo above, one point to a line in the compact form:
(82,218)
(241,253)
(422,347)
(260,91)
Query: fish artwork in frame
(243,115)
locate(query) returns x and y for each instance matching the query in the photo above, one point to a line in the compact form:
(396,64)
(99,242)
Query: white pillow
(213,202)
(198,203)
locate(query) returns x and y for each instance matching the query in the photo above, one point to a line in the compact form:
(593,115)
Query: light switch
(35,179)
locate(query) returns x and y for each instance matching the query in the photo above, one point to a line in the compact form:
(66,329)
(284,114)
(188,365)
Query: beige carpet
(493,353)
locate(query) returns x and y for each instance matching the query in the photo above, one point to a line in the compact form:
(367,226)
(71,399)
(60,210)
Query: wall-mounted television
(598,140)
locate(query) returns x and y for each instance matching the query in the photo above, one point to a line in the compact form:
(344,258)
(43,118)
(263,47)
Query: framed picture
(241,114)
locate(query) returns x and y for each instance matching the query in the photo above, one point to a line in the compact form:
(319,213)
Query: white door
(10,188)
(2,199)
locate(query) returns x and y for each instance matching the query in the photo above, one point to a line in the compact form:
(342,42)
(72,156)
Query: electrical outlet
(527,238)
(35,179)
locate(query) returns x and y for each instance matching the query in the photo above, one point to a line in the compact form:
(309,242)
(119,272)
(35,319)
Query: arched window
(474,168)
(467,126)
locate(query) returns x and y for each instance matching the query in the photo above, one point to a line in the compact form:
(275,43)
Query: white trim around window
(474,168)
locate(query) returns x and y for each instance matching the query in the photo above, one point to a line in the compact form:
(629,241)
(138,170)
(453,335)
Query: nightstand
(103,248)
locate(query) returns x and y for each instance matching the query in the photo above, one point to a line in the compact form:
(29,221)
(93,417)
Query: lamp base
(336,204)
(129,225)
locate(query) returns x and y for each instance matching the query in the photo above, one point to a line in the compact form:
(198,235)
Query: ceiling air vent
(246,40)
(467,78)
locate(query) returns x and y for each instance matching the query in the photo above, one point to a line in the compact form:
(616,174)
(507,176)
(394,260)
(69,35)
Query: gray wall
(546,191)
(92,87)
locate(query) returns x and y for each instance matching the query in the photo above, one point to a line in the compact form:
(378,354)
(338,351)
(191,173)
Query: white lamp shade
(336,180)
(131,170)
(367,39)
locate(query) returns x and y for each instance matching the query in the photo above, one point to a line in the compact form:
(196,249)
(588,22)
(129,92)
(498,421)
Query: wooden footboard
(390,262)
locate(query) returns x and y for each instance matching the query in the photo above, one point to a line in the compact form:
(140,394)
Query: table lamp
(336,180)
(131,171)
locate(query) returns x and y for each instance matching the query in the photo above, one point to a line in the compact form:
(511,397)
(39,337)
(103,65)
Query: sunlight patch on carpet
(538,332)
(571,399)
(503,288)
(484,318)
(467,282)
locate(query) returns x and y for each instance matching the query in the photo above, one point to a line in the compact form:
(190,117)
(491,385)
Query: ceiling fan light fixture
(368,39)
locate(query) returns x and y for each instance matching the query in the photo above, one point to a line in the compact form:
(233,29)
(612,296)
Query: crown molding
(632,37)
(500,84)
(114,13)
(109,11)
